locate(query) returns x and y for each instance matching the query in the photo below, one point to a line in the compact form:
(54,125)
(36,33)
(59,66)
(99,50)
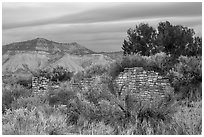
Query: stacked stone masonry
(83,84)
(39,85)
(146,86)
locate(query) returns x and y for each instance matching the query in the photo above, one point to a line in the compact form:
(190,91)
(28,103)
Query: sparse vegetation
(56,74)
(97,110)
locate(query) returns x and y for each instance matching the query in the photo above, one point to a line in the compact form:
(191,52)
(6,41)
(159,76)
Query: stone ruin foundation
(136,83)
(40,85)
(144,86)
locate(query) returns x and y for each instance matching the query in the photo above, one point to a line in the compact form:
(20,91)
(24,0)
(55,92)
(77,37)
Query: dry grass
(47,120)
(190,118)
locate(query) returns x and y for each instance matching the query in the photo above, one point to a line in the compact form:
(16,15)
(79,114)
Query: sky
(97,26)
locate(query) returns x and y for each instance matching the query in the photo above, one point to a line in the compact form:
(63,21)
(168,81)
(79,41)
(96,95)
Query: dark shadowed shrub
(56,74)
(96,70)
(12,94)
(78,109)
(20,91)
(7,99)
(186,78)
(61,96)
(115,69)
(25,83)
(28,102)
(60,74)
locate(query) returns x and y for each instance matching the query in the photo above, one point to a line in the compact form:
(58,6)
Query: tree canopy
(175,40)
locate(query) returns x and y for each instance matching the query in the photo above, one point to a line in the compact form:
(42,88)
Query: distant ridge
(41,53)
(41,44)
(115,55)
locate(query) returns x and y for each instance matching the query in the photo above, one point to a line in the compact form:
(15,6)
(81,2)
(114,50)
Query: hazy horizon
(97,26)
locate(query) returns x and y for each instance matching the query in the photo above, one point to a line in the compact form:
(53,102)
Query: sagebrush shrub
(60,96)
(33,122)
(115,69)
(96,70)
(148,63)
(13,93)
(186,78)
(28,102)
(7,99)
(25,82)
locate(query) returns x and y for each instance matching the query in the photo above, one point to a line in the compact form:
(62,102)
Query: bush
(186,78)
(60,96)
(12,94)
(96,70)
(20,91)
(131,61)
(7,99)
(33,122)
(28,102)
(115,69)
(56,74)
(25,82)
(60,74)
(80,110)
(162,60)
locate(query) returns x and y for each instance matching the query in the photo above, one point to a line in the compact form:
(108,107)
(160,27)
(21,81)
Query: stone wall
(146,86)
(84,84)
(39,84)
(141,85)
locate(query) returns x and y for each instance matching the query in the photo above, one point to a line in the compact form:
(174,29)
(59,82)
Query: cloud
(32,14)
(133,11)
(117,12)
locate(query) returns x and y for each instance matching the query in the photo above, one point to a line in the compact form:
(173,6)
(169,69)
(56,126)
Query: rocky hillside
(41,53)
(41,44)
